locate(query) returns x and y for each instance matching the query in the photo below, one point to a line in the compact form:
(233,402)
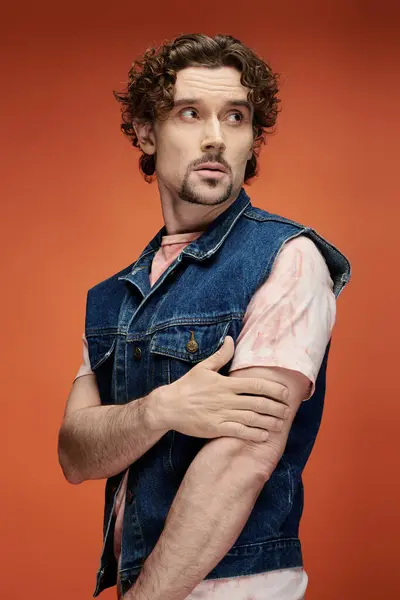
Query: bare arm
(97,441)
(214,502)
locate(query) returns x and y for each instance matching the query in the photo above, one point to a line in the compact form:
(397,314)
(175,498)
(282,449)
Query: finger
(223,355)
(253,419)
(259,404)
(242,432)
(259,387)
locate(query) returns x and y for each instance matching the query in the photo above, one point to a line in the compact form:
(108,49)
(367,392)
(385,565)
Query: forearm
(207,516)
(101,441)
(214,502)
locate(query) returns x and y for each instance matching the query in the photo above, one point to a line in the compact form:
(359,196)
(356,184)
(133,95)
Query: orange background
(75,210)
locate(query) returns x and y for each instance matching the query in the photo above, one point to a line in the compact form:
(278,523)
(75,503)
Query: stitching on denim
(291,480)
(176,354)
(344,277)
(137,523)
(196,321)
(132,268)
(155,287)
(168,372)
(270,217)
(109,526)
(275,541)
(106,355)
(203,255)
(91,331)
(126,371)
(141,335)
(304,229)
(170,452)
(114,374)
(171,464)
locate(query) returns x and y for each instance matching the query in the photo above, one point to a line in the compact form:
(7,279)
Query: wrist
(153,411)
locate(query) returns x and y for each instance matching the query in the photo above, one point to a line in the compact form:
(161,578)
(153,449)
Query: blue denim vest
(137,337)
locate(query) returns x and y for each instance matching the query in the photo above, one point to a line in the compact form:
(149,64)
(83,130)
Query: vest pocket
(190,342)
(102,354)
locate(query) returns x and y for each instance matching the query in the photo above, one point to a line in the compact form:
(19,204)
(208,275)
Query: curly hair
(149,93)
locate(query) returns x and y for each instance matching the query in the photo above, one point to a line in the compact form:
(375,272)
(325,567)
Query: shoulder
(103,302)
(303,248)
(258,214)
(300,261)
(296,238)
(268,224)
(111,280)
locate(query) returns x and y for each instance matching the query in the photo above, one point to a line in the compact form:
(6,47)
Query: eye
(238,117)
(188,113)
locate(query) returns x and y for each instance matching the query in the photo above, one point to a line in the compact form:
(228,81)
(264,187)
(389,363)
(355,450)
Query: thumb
(216,361)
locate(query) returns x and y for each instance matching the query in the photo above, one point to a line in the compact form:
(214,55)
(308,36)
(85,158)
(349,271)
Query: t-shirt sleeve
(289,320)
(84,369)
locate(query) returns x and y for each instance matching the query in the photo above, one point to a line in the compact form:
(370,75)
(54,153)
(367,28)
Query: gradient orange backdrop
(75,210)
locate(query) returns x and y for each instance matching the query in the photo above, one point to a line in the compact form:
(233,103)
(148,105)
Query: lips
(212,167)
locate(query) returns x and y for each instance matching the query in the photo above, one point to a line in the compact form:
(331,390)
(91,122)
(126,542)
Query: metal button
(192,345)
(137,353)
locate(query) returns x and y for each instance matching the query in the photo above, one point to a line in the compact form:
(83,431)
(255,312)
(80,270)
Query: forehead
(209,83)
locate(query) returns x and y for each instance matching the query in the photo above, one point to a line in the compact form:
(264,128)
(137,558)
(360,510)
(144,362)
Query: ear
(146,137)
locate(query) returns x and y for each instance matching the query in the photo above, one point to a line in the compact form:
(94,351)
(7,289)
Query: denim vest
(138,340)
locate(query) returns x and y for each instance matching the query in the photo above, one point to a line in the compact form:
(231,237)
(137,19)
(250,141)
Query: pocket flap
(192,342)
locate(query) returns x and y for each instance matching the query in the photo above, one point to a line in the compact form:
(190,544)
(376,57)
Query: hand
(205,404)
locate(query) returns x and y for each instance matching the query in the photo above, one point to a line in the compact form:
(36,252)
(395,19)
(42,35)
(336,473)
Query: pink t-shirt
(288,323)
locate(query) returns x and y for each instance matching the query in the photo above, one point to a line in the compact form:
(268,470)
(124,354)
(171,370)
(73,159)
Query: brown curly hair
(149,93)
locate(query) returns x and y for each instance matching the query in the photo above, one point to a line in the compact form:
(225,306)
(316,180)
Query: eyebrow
(239,103)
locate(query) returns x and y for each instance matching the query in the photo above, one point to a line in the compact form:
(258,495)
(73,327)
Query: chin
(208,192)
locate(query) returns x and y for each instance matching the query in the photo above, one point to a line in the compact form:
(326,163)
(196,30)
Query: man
(203,438)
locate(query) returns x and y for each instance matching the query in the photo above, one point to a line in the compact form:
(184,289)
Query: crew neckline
(180,238)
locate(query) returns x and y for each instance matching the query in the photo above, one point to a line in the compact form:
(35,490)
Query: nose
(213,140)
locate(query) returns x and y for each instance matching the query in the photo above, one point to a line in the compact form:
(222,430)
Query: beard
(189,193)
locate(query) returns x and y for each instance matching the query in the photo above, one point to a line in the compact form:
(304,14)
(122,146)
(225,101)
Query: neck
(184,217)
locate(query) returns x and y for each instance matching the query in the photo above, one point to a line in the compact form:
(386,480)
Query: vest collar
(213,237)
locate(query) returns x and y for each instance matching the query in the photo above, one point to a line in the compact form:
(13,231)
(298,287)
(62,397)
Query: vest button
(137,353)
(192,345)
(129,496)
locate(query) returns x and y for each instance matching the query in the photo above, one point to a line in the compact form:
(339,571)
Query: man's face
(211,122)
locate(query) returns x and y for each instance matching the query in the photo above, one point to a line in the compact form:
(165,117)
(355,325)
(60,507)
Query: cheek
(175,150)
(171,166)
(242,148)
(242,156)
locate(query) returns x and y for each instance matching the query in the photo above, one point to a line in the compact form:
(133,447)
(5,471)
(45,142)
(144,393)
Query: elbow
(70,471)
(72,476)
(74,479)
